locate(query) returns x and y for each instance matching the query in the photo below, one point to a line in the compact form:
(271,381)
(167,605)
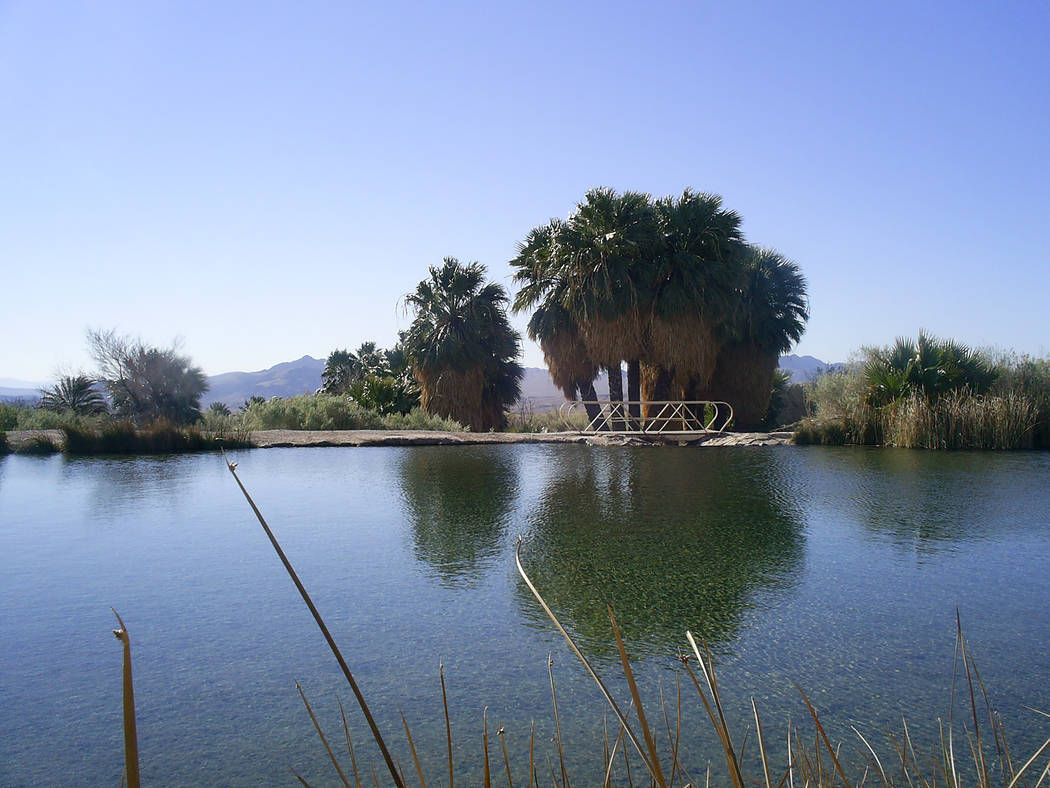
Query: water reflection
(121,484)
(458,499)
(684,540)
(931,501)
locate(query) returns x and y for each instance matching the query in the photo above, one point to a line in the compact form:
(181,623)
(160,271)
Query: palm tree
(342,368)
(770,315)
(605,248)
(930,367)
(461,346)
(77,393)
(582,275)
(691,290)
(543,288)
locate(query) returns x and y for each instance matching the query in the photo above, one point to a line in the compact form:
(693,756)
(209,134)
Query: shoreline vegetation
(931,394)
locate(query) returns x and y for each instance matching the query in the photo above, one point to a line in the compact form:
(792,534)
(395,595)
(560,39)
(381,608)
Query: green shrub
(8,415)
(5,447)
(215,420)
(311,412)
(44,419)
(419,419)
(821,432)
(330,412)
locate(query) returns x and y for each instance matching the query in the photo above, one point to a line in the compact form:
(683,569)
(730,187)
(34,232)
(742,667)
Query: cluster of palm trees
(669,286)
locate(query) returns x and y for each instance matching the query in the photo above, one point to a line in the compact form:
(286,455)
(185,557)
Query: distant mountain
(805,368)
(303,376)
(286,379)
(14,390)
(10,394)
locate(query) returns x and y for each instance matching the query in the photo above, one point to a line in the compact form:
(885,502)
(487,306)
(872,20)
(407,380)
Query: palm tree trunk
(590,397)
(615,395)
(634,391)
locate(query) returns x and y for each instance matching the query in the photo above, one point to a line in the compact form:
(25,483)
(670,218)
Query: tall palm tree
(582,275)
(691,290)
(76,393)
(770,316)
(543,289)
(461,346)
(605,248)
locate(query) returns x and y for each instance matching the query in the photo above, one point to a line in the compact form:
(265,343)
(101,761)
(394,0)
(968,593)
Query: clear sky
(266,180)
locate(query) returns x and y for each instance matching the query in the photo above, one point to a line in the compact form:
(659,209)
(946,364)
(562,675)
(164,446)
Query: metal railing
(657,417)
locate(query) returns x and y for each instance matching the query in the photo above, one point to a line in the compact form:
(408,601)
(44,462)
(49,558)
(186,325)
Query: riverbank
(267,439)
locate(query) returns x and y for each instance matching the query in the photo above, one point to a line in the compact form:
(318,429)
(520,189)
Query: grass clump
(38,445)
(528,419)
(160,437)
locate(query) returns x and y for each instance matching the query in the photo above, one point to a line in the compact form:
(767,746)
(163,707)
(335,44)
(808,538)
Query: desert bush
(328,412)
(419,419)
(311,412)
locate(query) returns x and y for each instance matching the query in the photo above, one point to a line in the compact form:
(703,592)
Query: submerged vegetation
(931,394)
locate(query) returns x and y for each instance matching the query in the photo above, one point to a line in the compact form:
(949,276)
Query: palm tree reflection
(670,539)
(459,499)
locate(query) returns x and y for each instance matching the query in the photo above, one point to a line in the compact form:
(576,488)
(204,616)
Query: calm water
(837,568)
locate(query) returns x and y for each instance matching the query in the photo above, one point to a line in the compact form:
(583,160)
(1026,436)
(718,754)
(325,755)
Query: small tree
(147,383)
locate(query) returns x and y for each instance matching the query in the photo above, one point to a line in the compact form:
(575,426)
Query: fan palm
(929,366)
(770,315)
(544,289)
(691,289)
(77,394)
(461,346)
(582,275)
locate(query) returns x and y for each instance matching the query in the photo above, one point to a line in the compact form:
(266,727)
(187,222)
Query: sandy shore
(267,439)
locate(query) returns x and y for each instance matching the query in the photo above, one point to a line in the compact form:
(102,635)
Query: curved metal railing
(658,417)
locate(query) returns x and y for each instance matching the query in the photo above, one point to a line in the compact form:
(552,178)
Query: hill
(302,376)
(806,368)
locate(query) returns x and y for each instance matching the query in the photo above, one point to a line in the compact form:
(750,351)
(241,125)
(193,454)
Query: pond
(839,569)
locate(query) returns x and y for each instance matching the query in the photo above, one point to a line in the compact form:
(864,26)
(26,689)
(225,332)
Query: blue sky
(266,180)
